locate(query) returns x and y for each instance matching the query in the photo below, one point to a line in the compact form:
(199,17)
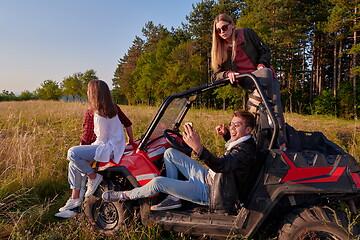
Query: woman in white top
(109,144)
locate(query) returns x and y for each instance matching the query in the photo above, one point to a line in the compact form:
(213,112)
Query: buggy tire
(317,223)
(107,217)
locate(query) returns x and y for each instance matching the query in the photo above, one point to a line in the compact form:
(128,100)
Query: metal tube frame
(205,88)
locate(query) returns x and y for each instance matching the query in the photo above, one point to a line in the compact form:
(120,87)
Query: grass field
(36,135)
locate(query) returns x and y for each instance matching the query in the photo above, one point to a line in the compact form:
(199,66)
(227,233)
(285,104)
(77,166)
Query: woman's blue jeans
(194,189)
(80,159)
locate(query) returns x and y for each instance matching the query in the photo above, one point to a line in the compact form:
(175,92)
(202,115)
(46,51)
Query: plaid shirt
(88,135)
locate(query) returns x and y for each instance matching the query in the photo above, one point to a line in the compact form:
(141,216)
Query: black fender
(123,171)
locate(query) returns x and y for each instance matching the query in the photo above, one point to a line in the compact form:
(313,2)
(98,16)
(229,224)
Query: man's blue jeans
(194,189)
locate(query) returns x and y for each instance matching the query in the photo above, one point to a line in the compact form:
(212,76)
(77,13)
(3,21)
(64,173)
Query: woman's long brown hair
(100,99)
(219,53)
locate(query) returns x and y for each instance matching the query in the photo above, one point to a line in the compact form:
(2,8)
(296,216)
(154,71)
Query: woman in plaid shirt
(102,139)
(88,136)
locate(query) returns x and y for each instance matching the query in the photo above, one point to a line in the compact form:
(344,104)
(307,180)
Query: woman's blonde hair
(100,100)
(219,53)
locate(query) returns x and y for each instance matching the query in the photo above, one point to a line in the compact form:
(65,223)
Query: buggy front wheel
(108,217)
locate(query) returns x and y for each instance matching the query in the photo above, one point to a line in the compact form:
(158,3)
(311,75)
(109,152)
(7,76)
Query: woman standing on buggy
(238,51)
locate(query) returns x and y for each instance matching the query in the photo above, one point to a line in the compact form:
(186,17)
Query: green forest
(314,52)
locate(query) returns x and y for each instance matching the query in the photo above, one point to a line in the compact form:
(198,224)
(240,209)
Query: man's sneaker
(170,202)
(71,204)
(93,184)
(112,196)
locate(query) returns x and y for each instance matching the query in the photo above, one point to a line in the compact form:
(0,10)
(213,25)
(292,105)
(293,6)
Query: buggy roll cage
(204,88)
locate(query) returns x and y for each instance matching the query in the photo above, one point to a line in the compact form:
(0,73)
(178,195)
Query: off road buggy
(304,191)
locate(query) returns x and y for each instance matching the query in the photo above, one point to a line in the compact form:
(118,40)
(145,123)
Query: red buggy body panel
(141,163)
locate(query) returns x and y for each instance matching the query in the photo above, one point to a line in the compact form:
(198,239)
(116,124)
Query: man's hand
(221,129)
(192,138)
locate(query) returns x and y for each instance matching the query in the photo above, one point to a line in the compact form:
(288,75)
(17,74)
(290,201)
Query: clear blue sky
(53,39)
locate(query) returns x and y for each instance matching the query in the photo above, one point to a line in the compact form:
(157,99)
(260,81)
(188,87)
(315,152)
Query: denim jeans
(271,87)
(194,189)
(80,159)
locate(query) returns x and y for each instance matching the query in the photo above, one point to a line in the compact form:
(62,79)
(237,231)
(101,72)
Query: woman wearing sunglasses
(238,51)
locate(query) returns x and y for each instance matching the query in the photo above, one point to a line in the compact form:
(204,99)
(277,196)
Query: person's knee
(71,155)
(156,183)
(169,154)
(170,151)
(263,73)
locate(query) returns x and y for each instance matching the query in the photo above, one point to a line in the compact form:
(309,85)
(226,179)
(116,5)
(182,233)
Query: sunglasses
(223,28)
(236,124)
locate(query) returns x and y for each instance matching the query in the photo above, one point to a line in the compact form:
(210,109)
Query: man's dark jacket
(232,172)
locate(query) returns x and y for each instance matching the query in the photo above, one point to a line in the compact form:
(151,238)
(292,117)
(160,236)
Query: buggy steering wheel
(183,147)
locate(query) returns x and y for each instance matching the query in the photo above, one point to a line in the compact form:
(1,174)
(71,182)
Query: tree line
(314,52)
(73,87)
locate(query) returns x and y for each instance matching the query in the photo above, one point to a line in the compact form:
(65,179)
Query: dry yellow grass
(35,136)
(345,133)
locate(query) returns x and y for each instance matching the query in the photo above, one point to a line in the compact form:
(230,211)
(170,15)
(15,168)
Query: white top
(230,144)
(110,138)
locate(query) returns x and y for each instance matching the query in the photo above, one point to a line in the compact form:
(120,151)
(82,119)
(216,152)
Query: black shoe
(167,203)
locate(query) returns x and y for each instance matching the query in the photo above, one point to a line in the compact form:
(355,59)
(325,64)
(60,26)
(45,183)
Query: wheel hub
(106,212)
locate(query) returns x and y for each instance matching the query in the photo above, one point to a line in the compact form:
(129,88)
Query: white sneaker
(71,204)
(93,184)
(65,214)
